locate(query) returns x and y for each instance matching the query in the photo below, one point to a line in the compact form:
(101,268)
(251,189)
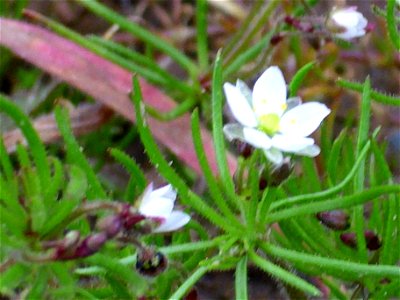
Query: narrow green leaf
(12,278)
(332,266)
(137,30)
(35,145)
(57,179)
(214,189)
(132,167)
(336,203)
(253,183)
(392,26)
(120,290)
(359,179)
(144,66)
(264,205)
(311,180)
(283,275)
(115,268)
(326,193)
(39,284)
(174,113)
(76,156)
(218,135)
(241,279)
(16,225)
(298,78)
(377,96)
(189,282)
(9,199)
(249,54)
(5,163)
(390,213)
(334,157)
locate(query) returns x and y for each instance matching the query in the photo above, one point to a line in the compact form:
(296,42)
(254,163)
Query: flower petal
(269,93)
(176,220)
(239,106)
(245,90)
(303,119)
(310,151)
(256,138)
(165,191)
(274,155)
(234,131)
(290,143)
(146,195)
(293,102)
(157,207)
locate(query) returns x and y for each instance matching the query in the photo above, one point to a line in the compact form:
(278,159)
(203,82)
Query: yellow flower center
(269,123)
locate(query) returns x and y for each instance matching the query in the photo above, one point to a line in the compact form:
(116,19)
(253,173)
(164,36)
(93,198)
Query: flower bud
(244,149)
(349,239)
(91,245)
(276,39)
(192,295)
(371,240)
(150,263)
(275,176)
(129,218)
(111,225)
(334,219)
(70,240)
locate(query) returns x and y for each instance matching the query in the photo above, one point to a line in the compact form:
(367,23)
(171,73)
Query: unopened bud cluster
(154,214)
(339,220)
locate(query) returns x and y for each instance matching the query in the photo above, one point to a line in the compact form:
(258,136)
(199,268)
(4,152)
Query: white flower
(349,22)
(159,204)
(269,121)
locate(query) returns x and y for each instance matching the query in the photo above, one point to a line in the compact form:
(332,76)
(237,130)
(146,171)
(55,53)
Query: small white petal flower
(240,108)
(351,23)
(176,220)
(291,143)
(271,122)
(269,93)
(159,204)
(274,155)
(303,119)
(256,138)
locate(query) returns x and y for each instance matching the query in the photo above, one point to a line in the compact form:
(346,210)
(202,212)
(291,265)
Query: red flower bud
(371,239)
(111,225)
(334,219)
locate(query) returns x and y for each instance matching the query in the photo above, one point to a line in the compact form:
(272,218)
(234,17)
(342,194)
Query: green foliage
(392,23)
